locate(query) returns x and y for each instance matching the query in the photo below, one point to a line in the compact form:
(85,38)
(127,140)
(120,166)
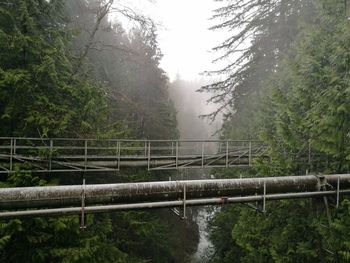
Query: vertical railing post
(149,156)
(250,153)
(177,154)
(172,148)
(118,154)
(226,153)
(14,146)
(203,154)
(85,153)
(309,157)
(50,154)
(145,148)
(264,198)
(11,153)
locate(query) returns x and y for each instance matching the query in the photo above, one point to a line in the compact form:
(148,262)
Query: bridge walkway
(62,155)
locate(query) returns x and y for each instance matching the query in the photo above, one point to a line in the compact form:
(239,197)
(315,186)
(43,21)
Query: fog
(183,34)
(191,106)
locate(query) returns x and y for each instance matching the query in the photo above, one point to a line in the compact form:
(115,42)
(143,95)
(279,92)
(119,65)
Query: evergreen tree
(38,95)
(264,31)
(45,91)
(309,105)
(305,121)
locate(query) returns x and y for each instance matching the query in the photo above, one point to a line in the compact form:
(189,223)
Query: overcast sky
(183,36)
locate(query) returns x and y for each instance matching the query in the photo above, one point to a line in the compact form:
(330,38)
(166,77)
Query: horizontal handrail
(121,140)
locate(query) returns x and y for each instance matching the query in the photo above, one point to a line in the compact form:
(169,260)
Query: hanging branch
(249,20)
(104,8)
(102,11)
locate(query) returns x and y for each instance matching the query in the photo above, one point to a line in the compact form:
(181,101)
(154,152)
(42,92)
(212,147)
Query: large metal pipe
(60,196)
(164,204)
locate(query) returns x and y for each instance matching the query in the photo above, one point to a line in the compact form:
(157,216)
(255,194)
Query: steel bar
(11,155)
(14,146)
(115,140)
(85,153)
(217,158)
(149,156)
(202,149)
(165,204)
(82,225)
(184,202)
(177,154)
(338,188)
(63,171)
(118,154)
(50,157)
(250,154)
(226,164)
(70,195)
(264,199)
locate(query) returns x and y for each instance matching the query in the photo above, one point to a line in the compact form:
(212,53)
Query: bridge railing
(69,155)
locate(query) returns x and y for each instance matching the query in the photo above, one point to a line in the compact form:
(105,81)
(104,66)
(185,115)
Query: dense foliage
(296,98)
(39,95)
(67,70)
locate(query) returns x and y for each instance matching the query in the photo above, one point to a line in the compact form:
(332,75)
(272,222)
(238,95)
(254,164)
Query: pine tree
(38,95)
(305,121)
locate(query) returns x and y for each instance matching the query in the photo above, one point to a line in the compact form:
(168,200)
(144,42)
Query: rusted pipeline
(61,196)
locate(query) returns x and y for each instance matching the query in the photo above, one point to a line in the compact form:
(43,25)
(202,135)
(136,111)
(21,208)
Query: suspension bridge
(62,155)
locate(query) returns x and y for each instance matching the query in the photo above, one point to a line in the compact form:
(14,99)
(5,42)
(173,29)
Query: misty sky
(183,35)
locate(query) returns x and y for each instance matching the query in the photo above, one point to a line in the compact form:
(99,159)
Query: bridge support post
(14,146)
(149,156)
(118,154)
(85,154)
(177,154)
(264,199)
(184,202)
(50,154)
(203,154)
(82,216)
(226,153)
(338,187)
(250,153)
(11,154)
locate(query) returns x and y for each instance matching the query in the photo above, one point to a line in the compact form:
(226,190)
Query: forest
(73,69)
(288,85)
